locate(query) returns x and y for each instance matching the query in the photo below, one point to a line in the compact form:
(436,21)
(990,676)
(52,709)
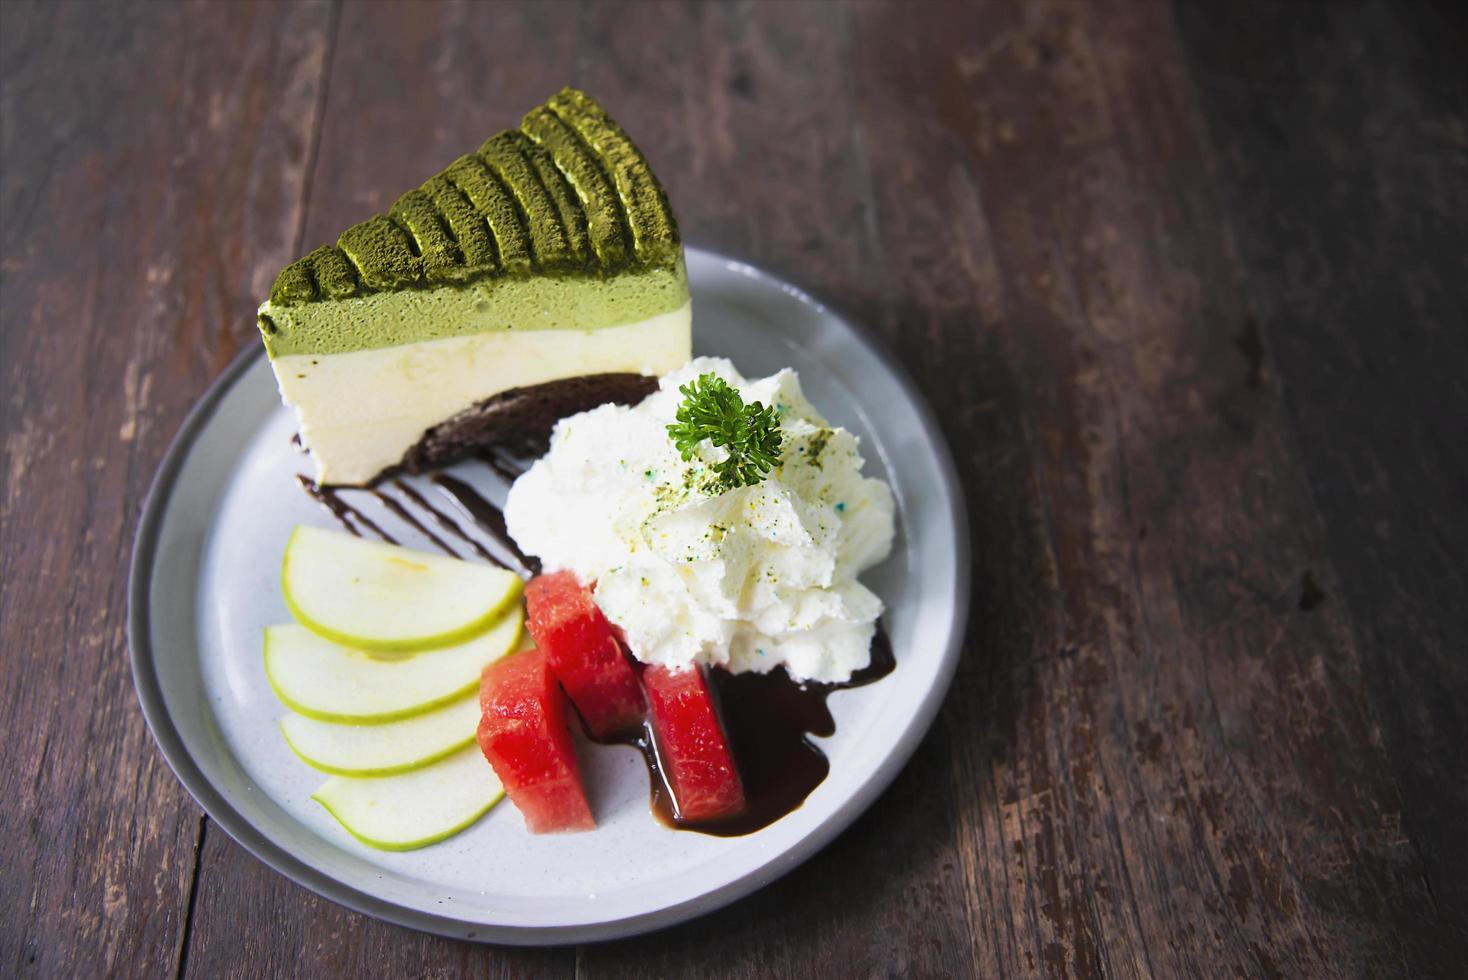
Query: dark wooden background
(1185,282)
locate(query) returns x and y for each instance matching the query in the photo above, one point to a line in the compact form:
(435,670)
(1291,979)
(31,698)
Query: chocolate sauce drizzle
(349,517)
(446,522)
(769,717)
(506,468)
(489,518)
(406,516)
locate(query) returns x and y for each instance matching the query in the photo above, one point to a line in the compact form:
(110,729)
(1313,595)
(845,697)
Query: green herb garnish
(714,411)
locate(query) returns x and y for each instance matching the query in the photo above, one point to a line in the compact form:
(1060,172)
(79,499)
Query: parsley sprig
(714,411)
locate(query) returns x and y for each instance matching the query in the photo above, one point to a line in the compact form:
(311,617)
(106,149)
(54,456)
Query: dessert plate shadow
(205,581)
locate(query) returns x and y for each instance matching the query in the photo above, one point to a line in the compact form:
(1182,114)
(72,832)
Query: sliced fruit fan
(380,671)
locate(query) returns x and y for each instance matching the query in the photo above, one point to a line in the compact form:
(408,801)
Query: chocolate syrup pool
(769,718)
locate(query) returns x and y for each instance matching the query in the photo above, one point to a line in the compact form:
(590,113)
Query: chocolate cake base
(520,419)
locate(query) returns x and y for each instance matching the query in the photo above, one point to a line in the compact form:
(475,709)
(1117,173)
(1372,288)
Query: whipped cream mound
(748,579)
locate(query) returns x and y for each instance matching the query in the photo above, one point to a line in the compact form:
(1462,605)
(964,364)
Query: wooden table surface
(1185,283)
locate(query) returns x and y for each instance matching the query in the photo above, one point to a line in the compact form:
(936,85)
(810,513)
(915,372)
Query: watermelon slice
(584,654)
(693,748)
(523,734)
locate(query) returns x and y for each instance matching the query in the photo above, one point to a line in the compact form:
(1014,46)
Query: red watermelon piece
(693,748)
(523,734)
(583,654)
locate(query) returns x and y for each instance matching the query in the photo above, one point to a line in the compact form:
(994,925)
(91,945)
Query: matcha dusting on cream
(693,569)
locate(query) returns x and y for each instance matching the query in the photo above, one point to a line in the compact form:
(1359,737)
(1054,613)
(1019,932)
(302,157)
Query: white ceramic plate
(205,581)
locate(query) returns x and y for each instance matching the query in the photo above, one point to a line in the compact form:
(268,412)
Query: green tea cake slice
(538,275)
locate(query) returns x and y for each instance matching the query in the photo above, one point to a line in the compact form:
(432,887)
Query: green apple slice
(375,596)
(414,809)
(330,682)
(386,749)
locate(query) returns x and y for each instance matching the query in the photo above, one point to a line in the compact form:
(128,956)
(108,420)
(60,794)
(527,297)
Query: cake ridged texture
(644,203)
(506,158)
(567,194)
(416,214)
(467,228)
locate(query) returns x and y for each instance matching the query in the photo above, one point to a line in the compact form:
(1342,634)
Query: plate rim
(218,808)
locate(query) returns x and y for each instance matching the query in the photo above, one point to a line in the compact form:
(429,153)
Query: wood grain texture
(1340,138)
(1151,804)
(1209,717)
(153,165)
